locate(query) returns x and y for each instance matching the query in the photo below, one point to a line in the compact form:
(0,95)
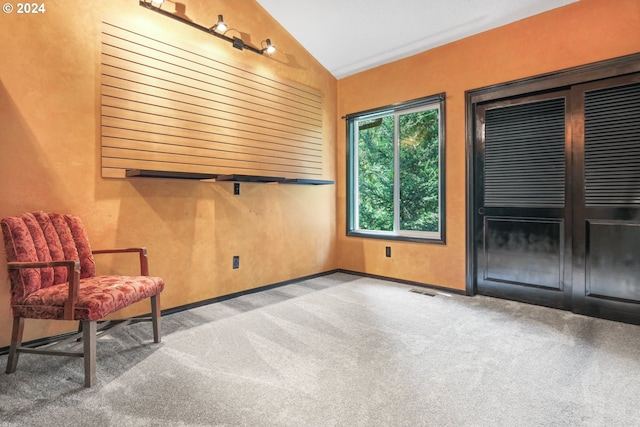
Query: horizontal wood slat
(222,143)
(124,99)
(168,108)
(254,165)
(142,148)
(136,42)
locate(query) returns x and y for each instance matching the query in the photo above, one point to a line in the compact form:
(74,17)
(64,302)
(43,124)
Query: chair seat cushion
(97,297)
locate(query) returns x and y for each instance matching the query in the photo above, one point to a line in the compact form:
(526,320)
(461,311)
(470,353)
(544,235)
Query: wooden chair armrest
(118,250)
(73,276)
(142,252)
(15,265)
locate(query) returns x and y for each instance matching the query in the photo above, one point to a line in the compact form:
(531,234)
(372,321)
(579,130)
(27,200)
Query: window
(396,171)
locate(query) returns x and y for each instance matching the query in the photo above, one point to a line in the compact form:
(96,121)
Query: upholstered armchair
(53,276)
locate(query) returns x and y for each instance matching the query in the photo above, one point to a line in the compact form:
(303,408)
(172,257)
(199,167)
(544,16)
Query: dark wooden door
(557,191)
(523,206)
(606,241)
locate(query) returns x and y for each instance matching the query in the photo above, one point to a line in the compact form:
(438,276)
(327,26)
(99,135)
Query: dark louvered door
(523,213)
(606,243)
(558,199)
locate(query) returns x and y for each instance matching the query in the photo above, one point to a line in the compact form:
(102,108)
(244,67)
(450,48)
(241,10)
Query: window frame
(415,105)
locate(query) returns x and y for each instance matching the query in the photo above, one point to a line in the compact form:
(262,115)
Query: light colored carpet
(344,350)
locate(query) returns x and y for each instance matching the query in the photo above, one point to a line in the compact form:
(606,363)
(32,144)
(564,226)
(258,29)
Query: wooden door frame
(550,81)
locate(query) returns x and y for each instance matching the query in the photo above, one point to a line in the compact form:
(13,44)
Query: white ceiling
(349,36)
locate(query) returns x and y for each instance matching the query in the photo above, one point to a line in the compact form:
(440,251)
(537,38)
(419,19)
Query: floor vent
(421,292)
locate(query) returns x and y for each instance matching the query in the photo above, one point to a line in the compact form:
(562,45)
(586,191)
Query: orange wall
(581,33)
(50,157)
(50,144)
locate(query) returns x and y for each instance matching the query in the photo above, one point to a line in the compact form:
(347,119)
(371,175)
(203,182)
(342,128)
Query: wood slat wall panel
(126,99)
(217,89)
(166,108)
(254,165)
(123,37)
(225,144)
(242,139)
(172,96)
(139,146)
(213,125)
(180,93)
(200,75)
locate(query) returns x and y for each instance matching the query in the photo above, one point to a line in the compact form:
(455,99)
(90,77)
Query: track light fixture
(217,30)
(220,25)
(268,47)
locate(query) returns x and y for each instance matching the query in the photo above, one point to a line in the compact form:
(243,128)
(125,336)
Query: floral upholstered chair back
(44,237)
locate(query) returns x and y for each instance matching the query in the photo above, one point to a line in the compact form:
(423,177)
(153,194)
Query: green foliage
(419,172)
(375,174)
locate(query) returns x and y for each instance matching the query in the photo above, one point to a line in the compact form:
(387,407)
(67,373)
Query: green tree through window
(395,171)
(375,174)
(419,171)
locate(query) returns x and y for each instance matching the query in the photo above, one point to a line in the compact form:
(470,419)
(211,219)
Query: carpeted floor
(343,350)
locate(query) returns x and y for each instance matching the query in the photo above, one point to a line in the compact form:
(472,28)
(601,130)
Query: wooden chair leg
(16,341)
(89,338)
(155,318)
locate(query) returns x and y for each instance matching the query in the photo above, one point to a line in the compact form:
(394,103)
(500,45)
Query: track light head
(220,25)
(269,48)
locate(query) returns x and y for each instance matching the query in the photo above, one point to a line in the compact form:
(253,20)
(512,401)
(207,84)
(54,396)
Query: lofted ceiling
(349,36)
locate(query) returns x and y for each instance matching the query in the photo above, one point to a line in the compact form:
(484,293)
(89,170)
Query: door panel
(521,167)
(524,251)
(524,153)
(612,261)
(606,271)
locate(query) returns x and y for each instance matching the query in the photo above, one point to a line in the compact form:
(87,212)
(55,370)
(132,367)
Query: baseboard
(404,282)
(247,292)
(48,340)
(55,338)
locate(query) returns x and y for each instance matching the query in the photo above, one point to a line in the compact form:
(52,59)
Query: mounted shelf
(249,178)
(307,181)
(144,173)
